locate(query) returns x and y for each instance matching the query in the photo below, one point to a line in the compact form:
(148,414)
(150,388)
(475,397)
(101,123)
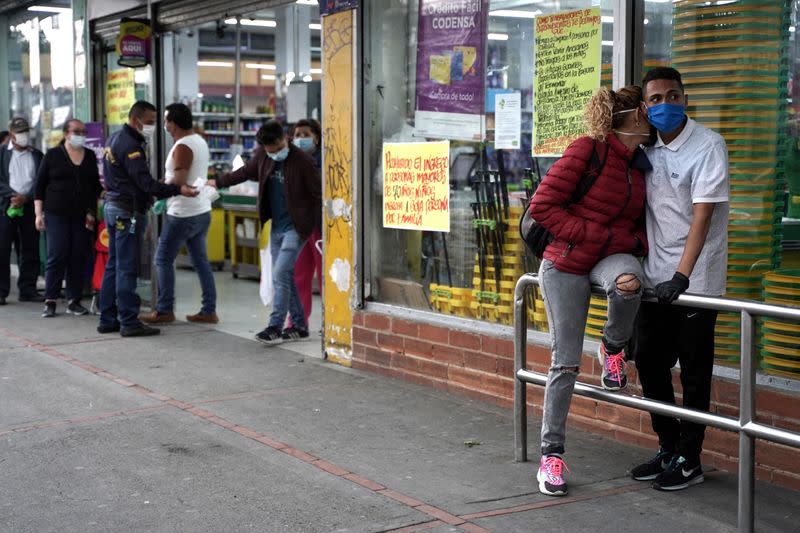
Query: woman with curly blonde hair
(595,241)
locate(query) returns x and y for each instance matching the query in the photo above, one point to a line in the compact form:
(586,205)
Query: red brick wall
(481,366)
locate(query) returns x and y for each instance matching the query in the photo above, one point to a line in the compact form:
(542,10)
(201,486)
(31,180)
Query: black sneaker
(679,475)
(49,310)
(33,297)
(651,469)
(613,377)
(113,328)
(2,300)
(294,334)
(270,336)
(141,330)
(75,308)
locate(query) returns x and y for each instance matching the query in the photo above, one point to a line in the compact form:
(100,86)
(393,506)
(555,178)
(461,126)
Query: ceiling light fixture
(515,13)
(253,22)
(227,64)
(261,66)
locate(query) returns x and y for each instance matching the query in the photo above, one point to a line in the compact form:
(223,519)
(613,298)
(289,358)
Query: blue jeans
(118,299)
(285,247)
(192,232)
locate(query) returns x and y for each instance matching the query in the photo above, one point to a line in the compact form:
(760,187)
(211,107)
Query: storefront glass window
(41,71)
(738,60)
(455,272)
(204,78)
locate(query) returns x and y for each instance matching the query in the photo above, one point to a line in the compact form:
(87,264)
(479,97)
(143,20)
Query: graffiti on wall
(337,90)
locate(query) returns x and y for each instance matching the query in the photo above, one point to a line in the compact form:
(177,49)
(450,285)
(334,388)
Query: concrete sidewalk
(200,430)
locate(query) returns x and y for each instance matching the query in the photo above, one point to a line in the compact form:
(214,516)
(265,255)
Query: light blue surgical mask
(306,144)
(280,155)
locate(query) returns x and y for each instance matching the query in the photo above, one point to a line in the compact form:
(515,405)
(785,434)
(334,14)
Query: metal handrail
(745,425)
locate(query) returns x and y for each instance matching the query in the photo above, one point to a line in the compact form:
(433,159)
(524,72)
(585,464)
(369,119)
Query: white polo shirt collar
(680,140)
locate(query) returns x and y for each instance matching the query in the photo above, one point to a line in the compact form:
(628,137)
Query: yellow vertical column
(338,134)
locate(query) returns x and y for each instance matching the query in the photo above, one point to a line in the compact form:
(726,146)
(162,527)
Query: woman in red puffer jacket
(595,242)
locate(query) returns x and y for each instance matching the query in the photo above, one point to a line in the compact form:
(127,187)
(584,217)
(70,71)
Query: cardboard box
(403,292)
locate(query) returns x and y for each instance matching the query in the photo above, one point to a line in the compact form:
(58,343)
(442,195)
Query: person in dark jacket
(594,242)
(67,189)
(130,191)
(19,163)
(289,195)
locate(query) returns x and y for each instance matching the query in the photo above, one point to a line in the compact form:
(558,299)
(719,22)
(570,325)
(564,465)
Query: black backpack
(536,236)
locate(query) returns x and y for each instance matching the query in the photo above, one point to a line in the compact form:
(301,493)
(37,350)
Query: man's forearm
(698,231)
(38,207)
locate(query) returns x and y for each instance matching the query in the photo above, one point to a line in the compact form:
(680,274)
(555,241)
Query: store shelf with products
(218,129)
(243,234)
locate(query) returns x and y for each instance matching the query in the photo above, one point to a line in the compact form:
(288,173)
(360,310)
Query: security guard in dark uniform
(130,189)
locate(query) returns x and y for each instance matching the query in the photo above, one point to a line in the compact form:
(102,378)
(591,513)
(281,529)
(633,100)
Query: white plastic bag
(265,289)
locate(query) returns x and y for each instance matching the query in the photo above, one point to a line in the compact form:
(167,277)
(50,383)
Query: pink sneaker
(613,375)
(550,476)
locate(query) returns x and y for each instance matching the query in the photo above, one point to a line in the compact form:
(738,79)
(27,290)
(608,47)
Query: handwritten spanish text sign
(567,73)
(416,186)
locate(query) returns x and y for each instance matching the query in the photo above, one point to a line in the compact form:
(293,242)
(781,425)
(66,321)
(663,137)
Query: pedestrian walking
(186,222)
(687,227)
(594,241)
(130,190)
(308,137)
(289,195)
(19,164)
(67,189)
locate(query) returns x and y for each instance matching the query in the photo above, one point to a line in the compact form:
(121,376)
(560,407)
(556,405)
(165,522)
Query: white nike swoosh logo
(691,315)
(685,473)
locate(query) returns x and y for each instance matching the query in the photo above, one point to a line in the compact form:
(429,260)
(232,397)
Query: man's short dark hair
(140,108)
(180,114)
(270,133)
(662,73)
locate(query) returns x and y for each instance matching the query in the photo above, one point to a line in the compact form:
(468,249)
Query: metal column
(747,409)
(237,96)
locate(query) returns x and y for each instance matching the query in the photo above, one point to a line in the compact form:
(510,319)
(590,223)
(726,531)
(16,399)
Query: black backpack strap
(593,169)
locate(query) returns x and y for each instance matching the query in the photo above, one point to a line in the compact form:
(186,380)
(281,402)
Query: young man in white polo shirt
(687,221)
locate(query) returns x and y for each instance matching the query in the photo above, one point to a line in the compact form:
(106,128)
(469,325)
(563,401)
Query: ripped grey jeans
(566,299)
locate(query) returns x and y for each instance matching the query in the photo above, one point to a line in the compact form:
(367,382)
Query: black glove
(668,291)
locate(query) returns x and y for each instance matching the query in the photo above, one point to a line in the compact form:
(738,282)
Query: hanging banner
(120,95)
(451,59)
(566,75)
(328,7)
(507,121)
(96,142)
(416,186)
(133,43)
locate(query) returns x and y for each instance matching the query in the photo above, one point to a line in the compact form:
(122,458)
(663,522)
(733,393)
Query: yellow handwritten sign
(416,186)
(120,95)
(567,51)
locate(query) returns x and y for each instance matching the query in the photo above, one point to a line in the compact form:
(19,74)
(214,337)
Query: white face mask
(21,139)
(148,130)
(77,141)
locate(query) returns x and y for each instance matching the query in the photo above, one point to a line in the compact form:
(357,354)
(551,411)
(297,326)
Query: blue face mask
(306,144)
(666,117)
(280,155)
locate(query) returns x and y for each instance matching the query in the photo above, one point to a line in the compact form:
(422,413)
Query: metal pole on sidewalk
(747,408)
(520,394)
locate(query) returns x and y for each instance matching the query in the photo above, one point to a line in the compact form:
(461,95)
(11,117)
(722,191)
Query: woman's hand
(40,222)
